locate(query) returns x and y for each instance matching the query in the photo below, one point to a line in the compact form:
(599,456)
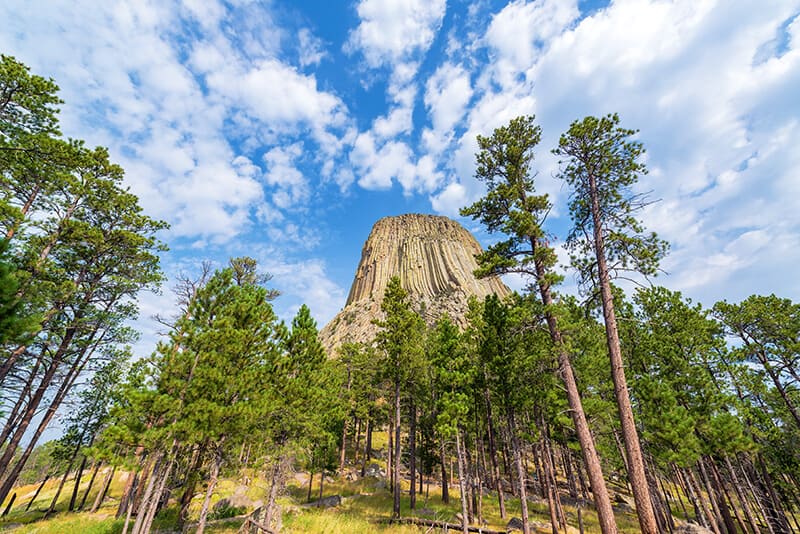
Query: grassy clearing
(366,506)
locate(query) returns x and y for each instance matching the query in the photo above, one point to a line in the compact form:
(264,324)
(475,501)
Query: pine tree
(512,207)
(601,166)
(453,378)
(400,338)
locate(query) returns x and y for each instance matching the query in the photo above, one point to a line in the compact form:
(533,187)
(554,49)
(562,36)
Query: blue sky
(284,130)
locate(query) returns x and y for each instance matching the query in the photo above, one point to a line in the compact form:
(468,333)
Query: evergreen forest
(626,407)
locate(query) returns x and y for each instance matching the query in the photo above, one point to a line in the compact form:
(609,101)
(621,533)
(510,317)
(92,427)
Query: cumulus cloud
(715,108)
(392,31)
(290,184)
(310,48)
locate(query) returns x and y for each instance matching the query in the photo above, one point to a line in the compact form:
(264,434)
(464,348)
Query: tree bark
(367,446)
(396,462)
(46,478)
(743,502)
(412,452)
(95,469)
(602,501)
(523,492)
(144,504)
(78,476)
(462,486)
(497,482)
(156,501)
(636,473)
(52,506)
(708,515)
(445,489)
(103,490)
(212,484)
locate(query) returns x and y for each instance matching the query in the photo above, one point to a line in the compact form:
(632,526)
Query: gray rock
(374,470)
(692,528)
(326,502)
(238,500)
(514,524)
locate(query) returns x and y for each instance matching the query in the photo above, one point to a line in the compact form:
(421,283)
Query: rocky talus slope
(435,259)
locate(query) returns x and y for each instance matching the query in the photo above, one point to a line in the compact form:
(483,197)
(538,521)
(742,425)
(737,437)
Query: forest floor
(365,509)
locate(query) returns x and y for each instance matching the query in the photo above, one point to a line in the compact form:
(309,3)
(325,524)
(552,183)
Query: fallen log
(455,527)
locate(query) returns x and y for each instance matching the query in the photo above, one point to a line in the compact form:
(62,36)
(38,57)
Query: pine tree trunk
(462,486)
(46,478)
(343,449)
(636,473)
(367,446)
(720,494)
(13,417)
(156,500)
(774,509)
(390,456)
(523,493)
(663,519)
(277,474)
(310,483)
(677,483)
(471,502)
(445,489)
(396,462)
(79,362)
(52,506)
(103,490)
(321,484)
(212,484)
(497,482)
(357,446)
(128,493)
(602,501)
(143,506)
(666,496)
(708,515)
(412,454)
(191,481)
(548,489)
(129,503)
(95,469)
(556,518)
(77,484)
(745,505)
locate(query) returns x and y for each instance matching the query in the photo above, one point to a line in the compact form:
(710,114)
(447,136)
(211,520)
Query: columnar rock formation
(435,260)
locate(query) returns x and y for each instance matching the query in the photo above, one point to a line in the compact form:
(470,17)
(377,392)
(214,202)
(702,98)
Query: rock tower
(435,259)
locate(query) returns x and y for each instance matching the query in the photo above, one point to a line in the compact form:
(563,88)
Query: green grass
(366,508)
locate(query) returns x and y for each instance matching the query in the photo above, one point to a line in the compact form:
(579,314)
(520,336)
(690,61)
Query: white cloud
(391,31)
(291,186)
(519,32)
(717,110)
(378,165)
(452,198)
(278,95)
(447,93)
(310,48)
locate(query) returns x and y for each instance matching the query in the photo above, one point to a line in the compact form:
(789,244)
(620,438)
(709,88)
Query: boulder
(326,502)
(374,470)
(239,499)
(514,524)
(691,528)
